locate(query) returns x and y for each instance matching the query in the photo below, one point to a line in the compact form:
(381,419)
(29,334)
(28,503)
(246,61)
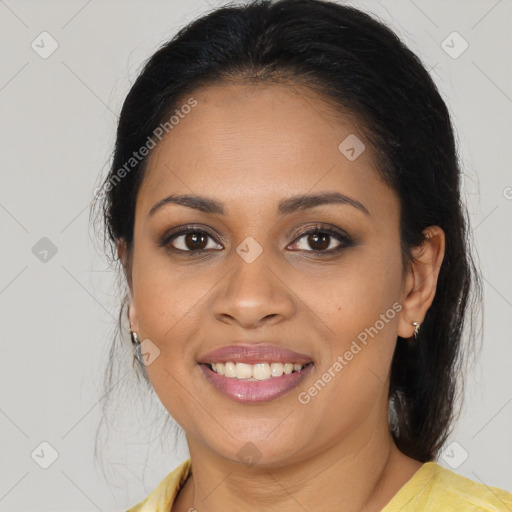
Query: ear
(122,252)
(123,257)
(421,280)
(132,317)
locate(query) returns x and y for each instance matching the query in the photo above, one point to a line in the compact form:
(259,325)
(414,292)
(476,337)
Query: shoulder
(459,491)
(434,487)
(161,499)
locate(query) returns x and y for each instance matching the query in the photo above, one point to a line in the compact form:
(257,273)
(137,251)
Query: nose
(253,295)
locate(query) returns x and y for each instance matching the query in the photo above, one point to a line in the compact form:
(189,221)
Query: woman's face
(262,285)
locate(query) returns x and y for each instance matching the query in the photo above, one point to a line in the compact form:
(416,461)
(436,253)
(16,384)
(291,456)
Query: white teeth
(259,371)
(229,370)
(288,368)
(276,369)
(243,371)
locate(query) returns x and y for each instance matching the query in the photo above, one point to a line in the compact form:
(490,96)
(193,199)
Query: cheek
(164,294)
(357,304)
(353,295)
(359,314)
(170,308)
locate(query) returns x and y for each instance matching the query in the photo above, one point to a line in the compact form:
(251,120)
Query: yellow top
(432,488)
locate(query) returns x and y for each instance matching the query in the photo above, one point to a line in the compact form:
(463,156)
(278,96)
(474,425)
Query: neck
(361,473)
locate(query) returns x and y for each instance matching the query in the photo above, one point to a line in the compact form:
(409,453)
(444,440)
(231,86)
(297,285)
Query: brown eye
(322,240)
(195,241)
(319,241)
(192,240)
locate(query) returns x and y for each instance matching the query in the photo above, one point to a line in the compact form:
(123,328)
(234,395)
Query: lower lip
(255,391)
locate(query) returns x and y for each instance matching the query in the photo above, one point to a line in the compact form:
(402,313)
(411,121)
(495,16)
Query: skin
(248,147)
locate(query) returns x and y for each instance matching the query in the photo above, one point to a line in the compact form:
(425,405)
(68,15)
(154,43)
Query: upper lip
(251,353)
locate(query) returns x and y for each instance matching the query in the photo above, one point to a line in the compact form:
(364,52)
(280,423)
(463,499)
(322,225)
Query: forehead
(256,144)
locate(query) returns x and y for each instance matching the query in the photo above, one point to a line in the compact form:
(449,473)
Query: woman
(285,202)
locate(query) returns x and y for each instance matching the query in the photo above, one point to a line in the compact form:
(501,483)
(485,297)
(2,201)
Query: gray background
(57,316)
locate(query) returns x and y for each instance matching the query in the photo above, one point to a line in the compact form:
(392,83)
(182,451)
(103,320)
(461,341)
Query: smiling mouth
(255,383)
(255,372)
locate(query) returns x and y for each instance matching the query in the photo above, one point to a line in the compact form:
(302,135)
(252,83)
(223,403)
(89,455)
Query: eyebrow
(285,207)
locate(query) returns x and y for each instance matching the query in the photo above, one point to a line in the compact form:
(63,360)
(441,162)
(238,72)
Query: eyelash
(344,239)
